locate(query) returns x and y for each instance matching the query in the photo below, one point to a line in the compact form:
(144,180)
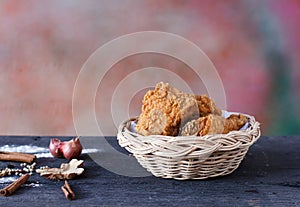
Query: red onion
(70,149)
(55,147)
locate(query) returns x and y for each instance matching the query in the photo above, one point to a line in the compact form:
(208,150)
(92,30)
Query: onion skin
(54,147)
(69,149)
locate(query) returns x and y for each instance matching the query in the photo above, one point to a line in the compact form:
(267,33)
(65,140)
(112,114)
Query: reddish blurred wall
(43,45)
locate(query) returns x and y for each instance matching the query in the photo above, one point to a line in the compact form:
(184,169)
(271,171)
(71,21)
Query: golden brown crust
(160,115)
(165,108)
(235,122)
(207,106)
(210,124)
(213,124)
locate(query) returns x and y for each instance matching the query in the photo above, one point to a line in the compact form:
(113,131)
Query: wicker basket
(189,157)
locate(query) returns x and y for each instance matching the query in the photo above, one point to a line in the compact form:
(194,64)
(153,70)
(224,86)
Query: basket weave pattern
(189,157)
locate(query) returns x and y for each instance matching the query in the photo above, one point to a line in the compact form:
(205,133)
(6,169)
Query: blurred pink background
(43,44)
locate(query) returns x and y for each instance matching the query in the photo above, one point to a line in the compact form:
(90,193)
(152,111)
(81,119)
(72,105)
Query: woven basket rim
(168,146)
(253,127)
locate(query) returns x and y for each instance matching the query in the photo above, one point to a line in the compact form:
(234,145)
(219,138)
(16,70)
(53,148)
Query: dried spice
(66,170)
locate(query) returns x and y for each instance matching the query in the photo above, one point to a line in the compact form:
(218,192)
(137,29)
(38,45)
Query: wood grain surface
(268,176)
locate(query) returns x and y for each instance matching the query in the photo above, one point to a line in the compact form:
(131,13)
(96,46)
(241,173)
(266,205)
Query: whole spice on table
(17,157)
(11,169)
(66,188)
(66,170)
(10,189)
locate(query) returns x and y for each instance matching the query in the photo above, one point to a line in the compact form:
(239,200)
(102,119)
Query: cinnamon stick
(17,157)
(10,189)
(70,195)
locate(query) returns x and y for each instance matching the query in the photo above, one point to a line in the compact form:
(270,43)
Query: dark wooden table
(268,176)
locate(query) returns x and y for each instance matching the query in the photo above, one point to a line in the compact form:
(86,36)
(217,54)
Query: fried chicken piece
(209,124)
(207,106)
(165,108)
(234,122)
(213,124)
